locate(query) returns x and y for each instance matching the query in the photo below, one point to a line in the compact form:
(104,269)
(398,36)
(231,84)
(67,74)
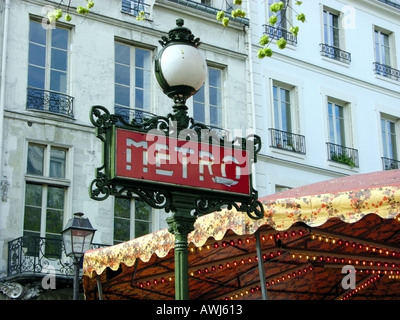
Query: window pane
(55,198)
(57,163)
(122,54)
(122,74)
(122,207)
(139,78)
(199,112)
(215,77)
(215,97)
(122,95)
(35,160)
(215,116)
(141,228)
(59,59)
(142,59)
(121,230)
(33,203)
(54,221)
(36,77)
(142,211)
(139,99)
(58,81)
(59,38)
(33,195)
(36,33)
(37,54)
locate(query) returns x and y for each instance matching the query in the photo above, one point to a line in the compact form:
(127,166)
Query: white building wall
(91,76)
(316,77)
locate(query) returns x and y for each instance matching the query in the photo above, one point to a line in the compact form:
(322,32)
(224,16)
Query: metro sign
(169,161)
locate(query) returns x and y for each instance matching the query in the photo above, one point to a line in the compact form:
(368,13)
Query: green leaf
(281,43)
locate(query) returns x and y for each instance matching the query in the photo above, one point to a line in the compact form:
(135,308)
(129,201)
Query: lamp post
(77,237)
(180,70)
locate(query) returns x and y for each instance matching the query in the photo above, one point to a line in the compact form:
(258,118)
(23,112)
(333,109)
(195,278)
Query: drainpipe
(251,78)
(3,182)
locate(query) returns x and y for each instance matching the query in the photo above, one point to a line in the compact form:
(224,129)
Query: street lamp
(180,69)
(77,237)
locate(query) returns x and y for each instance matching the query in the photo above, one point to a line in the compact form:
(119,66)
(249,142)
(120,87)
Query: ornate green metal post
(181,223)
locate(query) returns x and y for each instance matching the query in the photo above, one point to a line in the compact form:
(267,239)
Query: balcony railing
(35,255)
(335,53)
(391,3)
(50,101)
(211,10)
(277,33)
(287,141)
(342,154)
(390,164)
(132,116)
(135,7)
(386,71)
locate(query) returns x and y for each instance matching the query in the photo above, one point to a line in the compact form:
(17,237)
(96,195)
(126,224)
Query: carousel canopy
(310,238)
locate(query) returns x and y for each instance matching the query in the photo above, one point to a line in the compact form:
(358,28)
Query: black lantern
(77,237)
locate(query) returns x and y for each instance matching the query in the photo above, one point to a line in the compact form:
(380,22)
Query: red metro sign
(175,162)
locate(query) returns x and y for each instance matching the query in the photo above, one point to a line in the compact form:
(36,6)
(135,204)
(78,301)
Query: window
(336,124)
(331,29)
(282,109)
(332,37)
(206,2)
(389,143)
(134,7)
(48,69)
(282,15)
(207,102)
(132,219)
(132,78)
(45,198)
(339,126)
(382,47)
(384,53)
(285,119)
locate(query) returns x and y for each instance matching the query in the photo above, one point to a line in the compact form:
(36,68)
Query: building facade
(326,106)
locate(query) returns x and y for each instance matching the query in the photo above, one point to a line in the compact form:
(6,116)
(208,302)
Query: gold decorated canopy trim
(280,214)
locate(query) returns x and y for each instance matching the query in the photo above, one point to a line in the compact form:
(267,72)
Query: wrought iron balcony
(335,53)
(132,116)
(32,256)
(277,33)
(211,10)
(391,3)
(342,154)
(386,71)
(390,164)
(135,7)
(287,141)
(50,101)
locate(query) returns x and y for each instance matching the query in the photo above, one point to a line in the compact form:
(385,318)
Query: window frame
(147,106)
(206,91)
(347,121)
(49,55)
(391,50)
(132,221)
(294,106)
(388,150)
(46,183)
(329,30)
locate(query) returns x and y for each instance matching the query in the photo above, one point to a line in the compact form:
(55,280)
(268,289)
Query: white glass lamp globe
(183,65)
